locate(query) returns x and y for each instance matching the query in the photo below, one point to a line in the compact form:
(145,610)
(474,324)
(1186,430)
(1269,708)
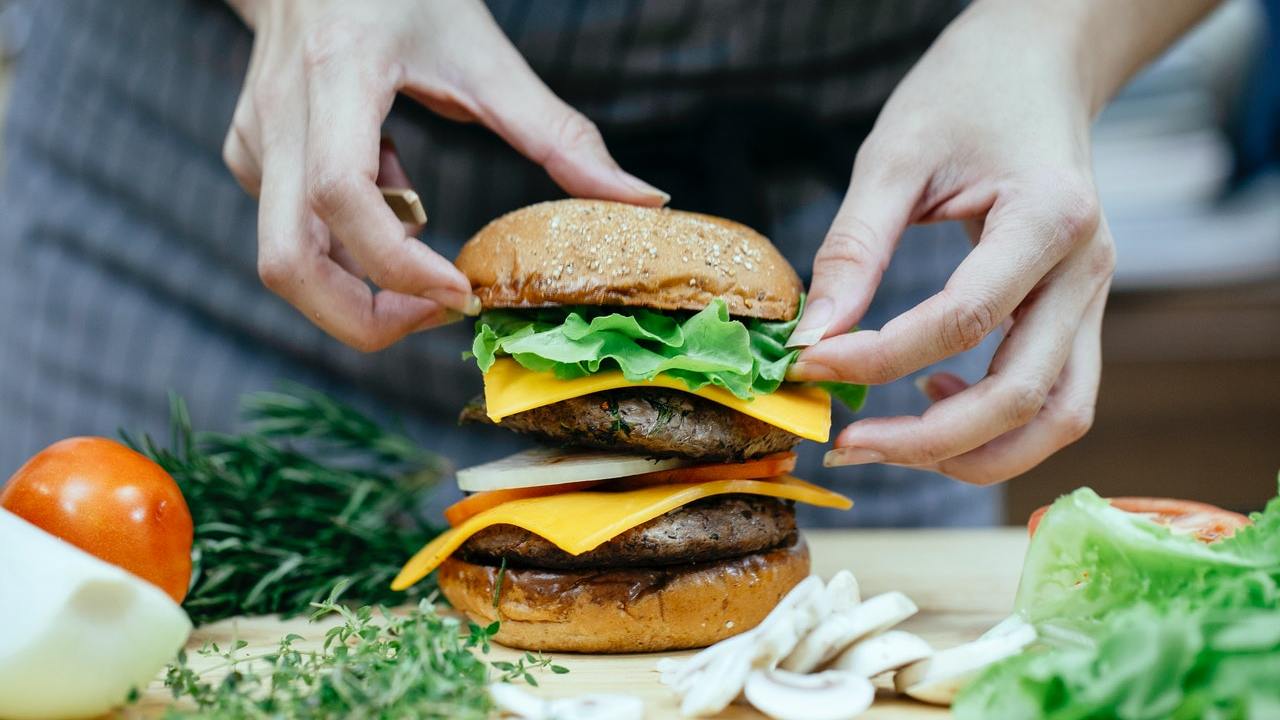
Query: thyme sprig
(312,495)
(373,664)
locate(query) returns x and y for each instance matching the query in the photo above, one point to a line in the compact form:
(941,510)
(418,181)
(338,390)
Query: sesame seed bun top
(593,252)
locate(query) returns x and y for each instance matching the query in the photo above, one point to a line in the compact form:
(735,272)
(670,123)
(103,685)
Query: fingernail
(641,186)
(473,306)
(813,324)
(851,456)
(802,371)
(922,384)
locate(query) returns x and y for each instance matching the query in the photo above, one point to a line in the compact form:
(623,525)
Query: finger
(391,174)
(1025,367)
(242,163)
(512,101)
(1021,244)
(1066,416)
(296,266)
(848,267)
(940,386)
(348,101)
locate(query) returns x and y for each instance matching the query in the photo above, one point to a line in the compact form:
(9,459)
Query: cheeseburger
(645,349)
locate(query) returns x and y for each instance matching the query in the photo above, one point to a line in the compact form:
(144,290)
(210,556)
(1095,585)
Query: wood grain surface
(963,581)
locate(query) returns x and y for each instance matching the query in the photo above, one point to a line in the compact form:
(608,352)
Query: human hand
(991,128)
(305,139)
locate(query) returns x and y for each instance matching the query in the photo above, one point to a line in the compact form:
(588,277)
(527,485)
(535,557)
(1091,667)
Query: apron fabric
(128,253)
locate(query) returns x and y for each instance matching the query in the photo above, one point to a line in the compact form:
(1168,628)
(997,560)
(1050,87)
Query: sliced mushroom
(831,695)
(881,653)
(841,630)
(596,706)
(523,704)
(842,591)
(938,678)
(716,685)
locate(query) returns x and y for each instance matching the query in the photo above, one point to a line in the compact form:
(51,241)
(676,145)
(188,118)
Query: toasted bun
(592,252)
(626,609)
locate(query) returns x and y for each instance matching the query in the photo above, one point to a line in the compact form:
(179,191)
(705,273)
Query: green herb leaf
(403,665)
(312,501)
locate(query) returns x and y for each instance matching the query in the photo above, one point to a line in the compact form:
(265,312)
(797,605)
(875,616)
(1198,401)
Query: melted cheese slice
(580,521)
(510,388)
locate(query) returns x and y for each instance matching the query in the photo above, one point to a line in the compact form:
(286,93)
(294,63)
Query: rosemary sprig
(373,664)
(313,495)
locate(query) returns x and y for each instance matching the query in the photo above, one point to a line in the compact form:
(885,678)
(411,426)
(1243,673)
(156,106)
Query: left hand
(991,128)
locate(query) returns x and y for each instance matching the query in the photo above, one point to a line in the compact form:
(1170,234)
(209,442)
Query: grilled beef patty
(714,528)
(654,421)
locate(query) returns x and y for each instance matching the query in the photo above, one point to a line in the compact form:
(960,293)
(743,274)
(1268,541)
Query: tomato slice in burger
(1206,522)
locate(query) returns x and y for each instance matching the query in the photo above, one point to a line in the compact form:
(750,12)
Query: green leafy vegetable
(1089,559)
(705,348)
(373,664)
(1139,622)
(313,494)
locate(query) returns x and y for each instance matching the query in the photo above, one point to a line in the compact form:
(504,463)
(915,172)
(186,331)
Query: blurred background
(1186,161)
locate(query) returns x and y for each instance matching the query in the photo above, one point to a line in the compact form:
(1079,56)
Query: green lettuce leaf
(705,348)
(1088,559)
(1145,662)
(1138,622)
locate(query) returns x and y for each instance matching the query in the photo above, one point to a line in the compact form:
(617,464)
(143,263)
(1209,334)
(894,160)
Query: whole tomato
(111,502)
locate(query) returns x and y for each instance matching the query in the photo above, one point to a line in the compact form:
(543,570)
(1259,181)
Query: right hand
(305,140)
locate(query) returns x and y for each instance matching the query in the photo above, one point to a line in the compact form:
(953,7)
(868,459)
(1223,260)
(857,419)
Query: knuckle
(851,246)
(1076,210)
(574,132)
(275,271)
(1076,422)
(1102,258)
(326,42)
(1022,401)
(933,450)
(883,365)
(329,192)
(968,323)
(368,342)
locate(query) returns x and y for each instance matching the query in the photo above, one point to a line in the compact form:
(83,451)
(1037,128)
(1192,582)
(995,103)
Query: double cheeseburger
(645,349)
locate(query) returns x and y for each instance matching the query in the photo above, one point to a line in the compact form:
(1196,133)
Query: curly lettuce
(1140,622)
(705,348)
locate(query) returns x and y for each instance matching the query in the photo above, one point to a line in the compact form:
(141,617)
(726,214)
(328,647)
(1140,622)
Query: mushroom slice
(595,706)
(842,591)
(523,704)
(716,685)
(831,695)
(881,653)
(938,678)
(512,700)
(840,631)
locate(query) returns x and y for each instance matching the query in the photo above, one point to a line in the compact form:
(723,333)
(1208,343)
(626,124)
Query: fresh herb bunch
(374,664)
(312,495)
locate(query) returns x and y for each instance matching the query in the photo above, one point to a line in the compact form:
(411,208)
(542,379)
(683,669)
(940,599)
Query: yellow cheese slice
(580,521)
(510,388)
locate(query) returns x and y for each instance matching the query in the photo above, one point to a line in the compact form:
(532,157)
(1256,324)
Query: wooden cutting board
(963,581)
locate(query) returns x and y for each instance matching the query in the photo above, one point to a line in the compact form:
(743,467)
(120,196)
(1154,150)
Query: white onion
(548,466)
(78,633)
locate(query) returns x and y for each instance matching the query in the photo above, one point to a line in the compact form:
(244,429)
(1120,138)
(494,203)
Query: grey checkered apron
(127,252)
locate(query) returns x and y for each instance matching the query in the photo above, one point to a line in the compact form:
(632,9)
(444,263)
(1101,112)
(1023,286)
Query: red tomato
(111,502)
(1207,522)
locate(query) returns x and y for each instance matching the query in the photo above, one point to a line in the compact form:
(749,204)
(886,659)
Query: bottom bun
(626,609)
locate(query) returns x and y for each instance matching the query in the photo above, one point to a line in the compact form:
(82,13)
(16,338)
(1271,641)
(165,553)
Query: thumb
(545,129)
(855,253)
